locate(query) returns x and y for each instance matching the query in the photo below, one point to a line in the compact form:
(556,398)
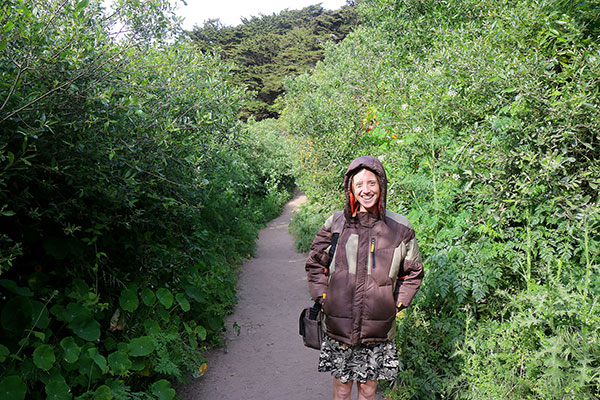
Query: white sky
(230,11)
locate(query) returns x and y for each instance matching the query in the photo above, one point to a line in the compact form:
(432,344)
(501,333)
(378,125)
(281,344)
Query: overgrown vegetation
(130,191)
(129,194)
(486,117)
(269,48)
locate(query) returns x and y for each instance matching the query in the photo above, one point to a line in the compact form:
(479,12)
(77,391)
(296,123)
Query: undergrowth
(485,116)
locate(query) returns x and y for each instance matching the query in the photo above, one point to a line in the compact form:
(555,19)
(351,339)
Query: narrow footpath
(267,359)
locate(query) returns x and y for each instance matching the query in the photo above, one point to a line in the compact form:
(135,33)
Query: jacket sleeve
(411,276)
(317,261)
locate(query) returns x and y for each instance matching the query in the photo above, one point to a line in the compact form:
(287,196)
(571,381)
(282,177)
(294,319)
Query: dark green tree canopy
(269,48)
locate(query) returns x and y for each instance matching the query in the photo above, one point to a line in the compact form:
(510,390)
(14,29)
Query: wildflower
(202,369)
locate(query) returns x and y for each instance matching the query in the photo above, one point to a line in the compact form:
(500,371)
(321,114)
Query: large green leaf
(75,310)
(82,4)
(165,297)
(98,359)
(86,364)
(3,352)
(201,332)
(70,349)
(151,327)
(12,287)
(183,301)
(129,299)
(148,297)
(103,393)
(196,293)
(162,390)
(43,357)
(138,364)
(163,313)
(59,312)
(119,362)
(86,328)
(13,388)
(41,316)
(141,346)
(57,389)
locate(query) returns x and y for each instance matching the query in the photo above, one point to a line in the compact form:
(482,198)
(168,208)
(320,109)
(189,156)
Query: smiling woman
(365,189)
(374,274)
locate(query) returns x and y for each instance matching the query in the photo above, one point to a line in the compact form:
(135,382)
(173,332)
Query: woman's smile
(365,187)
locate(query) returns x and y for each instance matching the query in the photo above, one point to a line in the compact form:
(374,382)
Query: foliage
(270,155)
(486,118)
(269,48)
(128,196)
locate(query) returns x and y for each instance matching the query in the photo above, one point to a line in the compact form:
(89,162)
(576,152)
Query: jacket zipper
(373,252)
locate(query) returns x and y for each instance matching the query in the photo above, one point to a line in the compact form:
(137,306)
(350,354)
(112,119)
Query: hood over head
(374,165)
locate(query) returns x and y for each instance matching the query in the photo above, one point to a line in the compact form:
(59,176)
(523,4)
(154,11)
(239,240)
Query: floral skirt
(375,361)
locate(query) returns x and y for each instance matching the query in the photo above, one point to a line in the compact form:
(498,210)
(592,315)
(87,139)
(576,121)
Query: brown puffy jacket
(376,265)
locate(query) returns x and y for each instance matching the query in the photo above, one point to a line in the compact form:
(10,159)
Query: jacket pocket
(383,262)
(340,294)
(379,301)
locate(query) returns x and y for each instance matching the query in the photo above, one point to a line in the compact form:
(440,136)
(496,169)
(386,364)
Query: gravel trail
(267,360)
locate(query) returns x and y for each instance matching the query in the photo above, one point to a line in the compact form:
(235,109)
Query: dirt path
(267,359)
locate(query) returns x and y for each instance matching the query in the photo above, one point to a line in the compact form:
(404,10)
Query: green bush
(128,197)
(486,118)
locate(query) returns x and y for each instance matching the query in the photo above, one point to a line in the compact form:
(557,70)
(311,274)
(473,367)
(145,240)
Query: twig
(14,86)
(520,374)
(36,321)
(60,87)
(160,177)
(510,391)
(52,18)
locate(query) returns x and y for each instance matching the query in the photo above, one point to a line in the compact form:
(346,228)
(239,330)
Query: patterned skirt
(375,361)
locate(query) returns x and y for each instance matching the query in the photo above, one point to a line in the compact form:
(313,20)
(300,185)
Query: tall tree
(269,48)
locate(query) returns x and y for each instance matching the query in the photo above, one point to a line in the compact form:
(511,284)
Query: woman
(375,272)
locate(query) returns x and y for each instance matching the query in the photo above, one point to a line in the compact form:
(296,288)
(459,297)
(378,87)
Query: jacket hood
(375,166)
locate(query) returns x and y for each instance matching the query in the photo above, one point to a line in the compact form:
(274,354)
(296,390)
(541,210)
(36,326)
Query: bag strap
(314,311)
(337,227)
(301,324)
(334,240)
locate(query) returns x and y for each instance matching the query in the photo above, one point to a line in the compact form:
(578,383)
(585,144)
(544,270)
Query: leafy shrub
(127,200)
(484,116)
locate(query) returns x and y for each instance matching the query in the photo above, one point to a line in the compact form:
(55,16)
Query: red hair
(353,203)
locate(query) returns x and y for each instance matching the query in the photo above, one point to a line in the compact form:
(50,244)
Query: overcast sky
(230,11)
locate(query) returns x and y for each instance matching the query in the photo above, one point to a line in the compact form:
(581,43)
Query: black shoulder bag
(310,325)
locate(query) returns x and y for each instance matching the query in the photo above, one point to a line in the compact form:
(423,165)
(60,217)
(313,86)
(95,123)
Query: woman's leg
(341,391)
(366,391)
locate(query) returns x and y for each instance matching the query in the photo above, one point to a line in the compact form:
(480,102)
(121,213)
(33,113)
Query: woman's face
(365,188)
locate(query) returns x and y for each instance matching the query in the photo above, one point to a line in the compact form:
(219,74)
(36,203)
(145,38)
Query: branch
(14,86)
(53,16)
(161,177)
(177,117)
(60,87)
(36,321)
